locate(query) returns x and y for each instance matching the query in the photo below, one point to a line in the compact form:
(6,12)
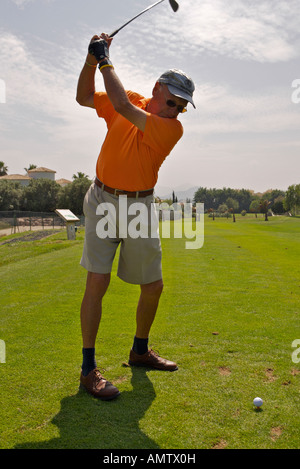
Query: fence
(16,221)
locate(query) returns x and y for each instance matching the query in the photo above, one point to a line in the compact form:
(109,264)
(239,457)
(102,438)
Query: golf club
(174,6)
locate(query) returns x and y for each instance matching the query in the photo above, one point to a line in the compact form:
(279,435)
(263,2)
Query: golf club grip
(114,33)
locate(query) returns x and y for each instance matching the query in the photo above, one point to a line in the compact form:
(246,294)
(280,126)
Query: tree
(79,175)
(215,197)
(223,208)
(233,206)
(3,169)
(277,206)
(72,195)
(254,206)
(174,198)
(31,166)
(10,195)
(211,210)
(244,197)
(292,199)
(41,195)
(273,194)
(205,196)
(264,208)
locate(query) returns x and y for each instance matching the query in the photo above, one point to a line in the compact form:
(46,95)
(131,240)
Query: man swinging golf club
(141,134)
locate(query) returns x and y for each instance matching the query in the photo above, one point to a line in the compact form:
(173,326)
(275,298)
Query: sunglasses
(171,103)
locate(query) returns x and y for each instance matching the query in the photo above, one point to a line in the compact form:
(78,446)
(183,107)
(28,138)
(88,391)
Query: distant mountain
(181,192)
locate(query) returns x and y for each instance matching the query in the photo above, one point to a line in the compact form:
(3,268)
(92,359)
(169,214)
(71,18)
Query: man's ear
(156,89)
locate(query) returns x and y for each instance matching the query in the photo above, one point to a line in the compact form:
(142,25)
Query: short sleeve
(162,134)
(103,106)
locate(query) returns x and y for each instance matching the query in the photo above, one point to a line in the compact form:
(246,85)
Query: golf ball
(258,402)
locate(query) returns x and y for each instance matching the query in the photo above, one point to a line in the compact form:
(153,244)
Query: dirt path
(21,229)
(31,236)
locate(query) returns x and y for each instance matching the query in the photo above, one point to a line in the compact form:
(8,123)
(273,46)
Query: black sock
(140,346)
(89,360)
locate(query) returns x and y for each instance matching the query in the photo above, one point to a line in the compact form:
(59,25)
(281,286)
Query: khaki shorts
(140,257)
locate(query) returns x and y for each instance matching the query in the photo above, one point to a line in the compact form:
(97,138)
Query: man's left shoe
(152,360)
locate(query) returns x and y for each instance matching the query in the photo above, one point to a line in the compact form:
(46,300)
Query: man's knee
(153,289)
(97,284)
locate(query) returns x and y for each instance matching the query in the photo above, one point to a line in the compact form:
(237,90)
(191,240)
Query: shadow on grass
(88,423)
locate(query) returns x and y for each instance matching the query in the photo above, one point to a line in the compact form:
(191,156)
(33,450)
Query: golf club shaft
(144,11)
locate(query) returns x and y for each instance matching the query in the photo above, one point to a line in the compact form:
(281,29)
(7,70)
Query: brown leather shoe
(95,384)
(152,360)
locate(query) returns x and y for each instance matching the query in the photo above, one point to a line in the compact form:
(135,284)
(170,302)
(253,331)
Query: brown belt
(118,192)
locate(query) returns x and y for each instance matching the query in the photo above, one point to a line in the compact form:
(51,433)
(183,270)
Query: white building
(22,180)
(39,173)
(36,173)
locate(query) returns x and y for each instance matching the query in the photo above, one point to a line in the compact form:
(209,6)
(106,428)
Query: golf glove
(99,49)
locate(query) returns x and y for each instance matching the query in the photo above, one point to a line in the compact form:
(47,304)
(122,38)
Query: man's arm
(120,100)
(113,87)
(86,83)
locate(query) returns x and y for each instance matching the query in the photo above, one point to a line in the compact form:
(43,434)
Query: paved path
(21,229)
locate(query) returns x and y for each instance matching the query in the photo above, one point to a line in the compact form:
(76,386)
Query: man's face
(165,104)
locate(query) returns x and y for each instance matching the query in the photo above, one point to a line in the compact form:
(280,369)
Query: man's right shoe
(97,386)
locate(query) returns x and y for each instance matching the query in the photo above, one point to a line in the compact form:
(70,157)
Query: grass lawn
(228,315)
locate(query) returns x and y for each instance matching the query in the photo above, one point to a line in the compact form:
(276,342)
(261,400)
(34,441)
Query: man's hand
(99,48)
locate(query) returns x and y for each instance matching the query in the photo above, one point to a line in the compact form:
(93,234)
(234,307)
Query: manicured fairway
(228,315)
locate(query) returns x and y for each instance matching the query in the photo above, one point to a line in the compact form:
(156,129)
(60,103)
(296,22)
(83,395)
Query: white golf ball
(258,402)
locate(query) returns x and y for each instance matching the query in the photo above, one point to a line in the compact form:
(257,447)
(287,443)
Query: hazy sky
(242,55)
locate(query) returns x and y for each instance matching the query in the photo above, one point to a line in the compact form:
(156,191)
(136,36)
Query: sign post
(70,220)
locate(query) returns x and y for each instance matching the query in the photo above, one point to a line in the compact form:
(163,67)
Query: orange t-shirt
(129,158)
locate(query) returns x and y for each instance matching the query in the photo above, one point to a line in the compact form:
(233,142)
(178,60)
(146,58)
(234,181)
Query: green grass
(228,315)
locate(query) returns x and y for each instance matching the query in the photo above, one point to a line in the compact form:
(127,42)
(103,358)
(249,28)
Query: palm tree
(79,175)
(264,208)
(233,206)
(31,166)
(211,210)
(3,169)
